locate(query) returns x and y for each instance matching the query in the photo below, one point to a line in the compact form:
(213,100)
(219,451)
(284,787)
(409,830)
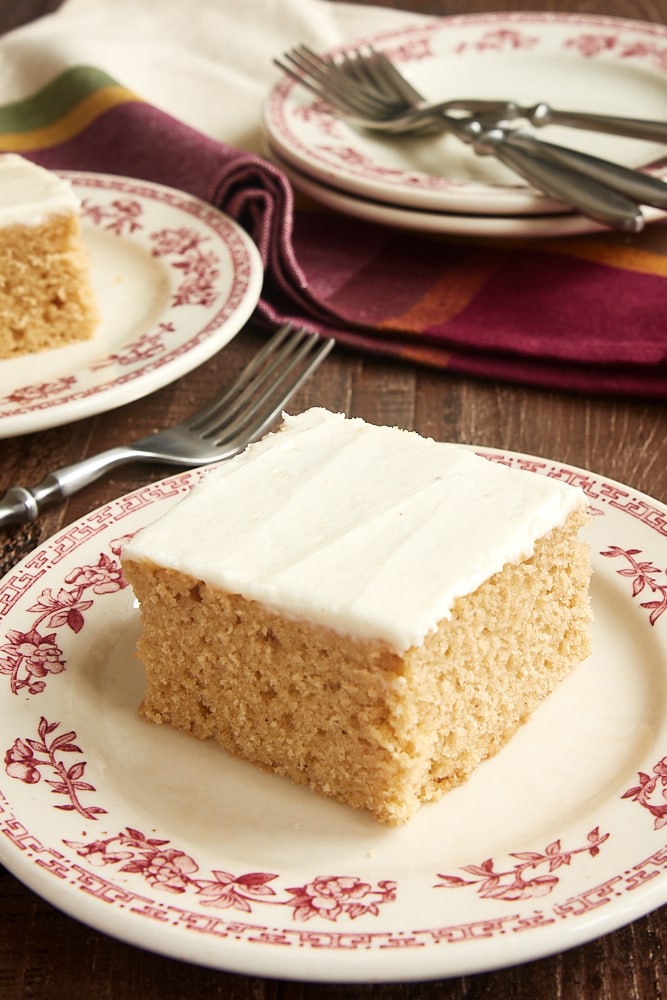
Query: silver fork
(366,88)
(392,101)
(634,184)
(416,109)
(541,114)
(222,429)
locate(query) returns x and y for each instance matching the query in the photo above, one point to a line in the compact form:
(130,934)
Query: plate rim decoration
(420,220)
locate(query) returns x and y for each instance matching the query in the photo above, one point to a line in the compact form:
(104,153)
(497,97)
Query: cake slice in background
(46,296)
(361,609)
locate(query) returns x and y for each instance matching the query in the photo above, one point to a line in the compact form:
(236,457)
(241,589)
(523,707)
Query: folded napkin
(582,314)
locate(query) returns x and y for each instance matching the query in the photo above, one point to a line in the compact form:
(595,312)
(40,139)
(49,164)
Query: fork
(633,183)
(223,428)
(542,113)
(539,115)
(367,89)
(398,106)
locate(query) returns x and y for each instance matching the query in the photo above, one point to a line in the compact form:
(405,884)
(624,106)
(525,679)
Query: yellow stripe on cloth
(609,253)
(71,123)
(461,283)
(449,296)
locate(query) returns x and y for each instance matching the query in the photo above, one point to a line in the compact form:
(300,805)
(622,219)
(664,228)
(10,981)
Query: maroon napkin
(584,314)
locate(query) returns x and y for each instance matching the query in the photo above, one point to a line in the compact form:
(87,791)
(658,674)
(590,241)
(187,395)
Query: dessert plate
(175,280)
(555,841)
(575,61)
(447,223)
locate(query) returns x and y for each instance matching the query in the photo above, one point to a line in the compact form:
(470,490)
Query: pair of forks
(223,428)
(365,87)
(400,110)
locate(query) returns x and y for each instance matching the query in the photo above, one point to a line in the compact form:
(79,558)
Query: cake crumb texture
(353,718)
(46,297)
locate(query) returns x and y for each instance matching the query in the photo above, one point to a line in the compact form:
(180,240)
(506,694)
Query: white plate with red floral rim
(175,279)
(445,223)
(172,845)
(582,62)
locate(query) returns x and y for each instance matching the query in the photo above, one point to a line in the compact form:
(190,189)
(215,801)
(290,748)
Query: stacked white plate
(438,184)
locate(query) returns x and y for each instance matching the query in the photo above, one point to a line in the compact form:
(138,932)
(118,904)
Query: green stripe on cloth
(55,100)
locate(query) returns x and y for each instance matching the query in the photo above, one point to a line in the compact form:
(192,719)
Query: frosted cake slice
(46,296)
(360,608)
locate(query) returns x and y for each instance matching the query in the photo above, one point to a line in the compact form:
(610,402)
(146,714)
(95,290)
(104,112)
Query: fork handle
(567,184)
(644,188)
(542,114)
(634,128)
(25,503)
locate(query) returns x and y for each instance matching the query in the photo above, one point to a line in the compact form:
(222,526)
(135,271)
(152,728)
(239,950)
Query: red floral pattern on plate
(121,216)
(39,391)
(512,884)
(590,45)
(26,757)
(651,793)
(142,350)
(644,576)
(500,40)
(170,870)
(201,269)
(28,658)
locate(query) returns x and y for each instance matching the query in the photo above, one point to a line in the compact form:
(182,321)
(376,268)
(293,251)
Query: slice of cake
(360,608)
(46,297)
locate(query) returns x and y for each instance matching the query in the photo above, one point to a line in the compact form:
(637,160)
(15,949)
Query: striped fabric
(583,314)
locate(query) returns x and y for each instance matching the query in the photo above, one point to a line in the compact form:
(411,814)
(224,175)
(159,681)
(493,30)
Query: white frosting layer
(29,194)
(373,531)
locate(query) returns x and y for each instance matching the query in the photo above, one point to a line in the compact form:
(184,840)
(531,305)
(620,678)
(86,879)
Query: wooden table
(46,955)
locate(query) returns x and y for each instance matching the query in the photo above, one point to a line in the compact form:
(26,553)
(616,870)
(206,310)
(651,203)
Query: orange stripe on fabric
(449,296)
(424,355)
(69,125)
(623,257)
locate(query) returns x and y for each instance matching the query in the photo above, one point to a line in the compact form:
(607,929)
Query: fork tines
(344,82)
(265,386)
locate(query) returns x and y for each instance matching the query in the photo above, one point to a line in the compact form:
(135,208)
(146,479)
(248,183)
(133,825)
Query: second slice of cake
(46,295)
(360,608)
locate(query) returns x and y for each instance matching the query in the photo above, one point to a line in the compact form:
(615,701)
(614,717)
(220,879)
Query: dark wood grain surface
(45,954)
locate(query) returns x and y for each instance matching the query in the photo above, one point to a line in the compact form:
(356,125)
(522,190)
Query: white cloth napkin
(207,62)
